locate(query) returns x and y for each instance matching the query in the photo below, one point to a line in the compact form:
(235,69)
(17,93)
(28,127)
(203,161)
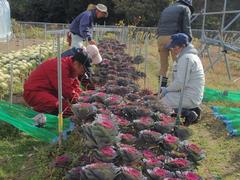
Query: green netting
(230,116)
(21,118)
(218,95)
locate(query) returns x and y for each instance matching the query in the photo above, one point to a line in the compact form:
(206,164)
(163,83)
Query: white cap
(94,54)
(102,8)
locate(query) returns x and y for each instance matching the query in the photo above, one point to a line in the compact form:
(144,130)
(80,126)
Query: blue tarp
(5,21)
(230,116)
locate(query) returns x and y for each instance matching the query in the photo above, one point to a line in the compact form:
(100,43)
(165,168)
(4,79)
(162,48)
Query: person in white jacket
(188,68)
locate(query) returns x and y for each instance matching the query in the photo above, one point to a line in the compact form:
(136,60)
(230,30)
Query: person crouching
(41,87)
(188,68)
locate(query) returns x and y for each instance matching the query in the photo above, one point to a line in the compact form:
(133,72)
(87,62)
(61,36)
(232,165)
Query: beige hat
(94,54)
(102,8)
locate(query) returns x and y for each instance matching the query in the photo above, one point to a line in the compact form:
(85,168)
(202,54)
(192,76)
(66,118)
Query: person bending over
(41,87)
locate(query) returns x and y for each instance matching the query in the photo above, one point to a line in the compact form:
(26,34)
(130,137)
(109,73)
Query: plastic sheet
(5,21)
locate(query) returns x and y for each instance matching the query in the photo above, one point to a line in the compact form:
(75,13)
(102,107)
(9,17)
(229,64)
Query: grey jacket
(195,78)
(174,19)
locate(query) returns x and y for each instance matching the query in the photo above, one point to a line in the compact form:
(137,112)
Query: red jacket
(45,78)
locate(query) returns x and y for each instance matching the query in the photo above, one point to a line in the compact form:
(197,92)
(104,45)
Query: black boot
(198,111)
(163,81)
(190,116)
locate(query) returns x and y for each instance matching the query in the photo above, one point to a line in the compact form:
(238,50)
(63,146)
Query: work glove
(164,91)
(86,82)
(88,85)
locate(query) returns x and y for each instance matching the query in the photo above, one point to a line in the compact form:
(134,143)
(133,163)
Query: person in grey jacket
(81,28)
(188,68)
(176,18)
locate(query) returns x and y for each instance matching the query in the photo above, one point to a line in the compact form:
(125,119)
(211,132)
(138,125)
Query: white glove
(164,91)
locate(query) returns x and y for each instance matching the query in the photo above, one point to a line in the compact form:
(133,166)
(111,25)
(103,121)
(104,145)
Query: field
(22,157)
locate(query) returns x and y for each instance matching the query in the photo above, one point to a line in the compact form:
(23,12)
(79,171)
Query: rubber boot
(198,111)
(190,116)
(162,83)
(163,80)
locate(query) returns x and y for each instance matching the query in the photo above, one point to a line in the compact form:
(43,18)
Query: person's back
(173,20)
(42,77)
(84,17)
(38,79)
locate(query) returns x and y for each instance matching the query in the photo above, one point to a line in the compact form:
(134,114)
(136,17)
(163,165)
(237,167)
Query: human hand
(92,42)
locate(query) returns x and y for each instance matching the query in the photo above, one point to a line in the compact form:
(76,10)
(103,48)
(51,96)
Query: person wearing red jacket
(41,88)
(95,58)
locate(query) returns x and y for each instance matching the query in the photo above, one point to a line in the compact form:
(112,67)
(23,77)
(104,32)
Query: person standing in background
(176,18)
(81,28)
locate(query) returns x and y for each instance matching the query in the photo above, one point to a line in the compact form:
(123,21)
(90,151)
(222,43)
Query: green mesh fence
(230,116)
(218,95)
(21,118)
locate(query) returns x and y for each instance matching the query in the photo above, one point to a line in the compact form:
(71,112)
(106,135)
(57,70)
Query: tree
(38,10)
(18,8)
(56,11)
(142,12)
